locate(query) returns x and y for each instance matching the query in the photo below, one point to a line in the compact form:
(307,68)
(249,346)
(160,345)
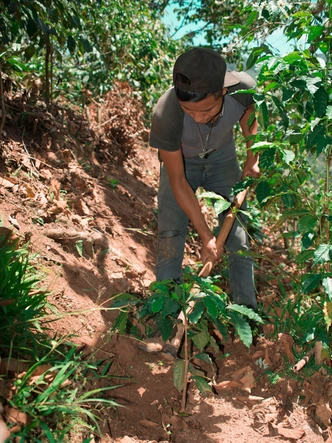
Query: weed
(56,386)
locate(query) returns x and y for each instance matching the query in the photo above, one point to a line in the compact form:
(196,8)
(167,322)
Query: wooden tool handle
(224,231)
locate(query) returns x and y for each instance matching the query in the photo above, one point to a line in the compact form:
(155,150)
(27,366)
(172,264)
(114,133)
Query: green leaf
(262,145)
(221,328)
(307,240)
(304,256)
(315,32)
(171,307)
(294,213)
(29,52)
(322,254)
(157,304)
(311,283)
(201,339)
(244,310)
(270,86)
(288,155)
(86,44)
(165,326)
(211,307)
(221,205)
(179,374)
(264,115)
(307,223)
(71,44)
(79,247)
(327,284)
(202,384)
(197,312)
(292,57)
(204,357)
(48,432)
(121,322)
(242,327)
(313,84)
(320,102)
(263,191)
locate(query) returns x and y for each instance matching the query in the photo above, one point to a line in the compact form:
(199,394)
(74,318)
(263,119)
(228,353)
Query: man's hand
(251,167)
(209,251)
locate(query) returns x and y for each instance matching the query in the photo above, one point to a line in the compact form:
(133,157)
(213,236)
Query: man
(192,127)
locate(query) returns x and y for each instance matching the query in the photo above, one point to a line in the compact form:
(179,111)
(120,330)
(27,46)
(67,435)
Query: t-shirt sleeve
(167,123)
(247,82)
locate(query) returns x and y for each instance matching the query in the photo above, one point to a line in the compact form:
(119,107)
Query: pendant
(205,154)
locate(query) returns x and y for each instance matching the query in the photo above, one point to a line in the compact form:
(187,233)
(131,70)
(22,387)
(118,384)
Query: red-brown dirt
(83,189)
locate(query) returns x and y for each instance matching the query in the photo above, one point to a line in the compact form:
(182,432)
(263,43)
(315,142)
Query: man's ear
(224,91)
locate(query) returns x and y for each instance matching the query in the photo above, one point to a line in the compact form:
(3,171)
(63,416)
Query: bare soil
(82,189)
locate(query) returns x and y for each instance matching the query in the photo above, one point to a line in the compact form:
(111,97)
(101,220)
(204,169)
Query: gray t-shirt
(172,129)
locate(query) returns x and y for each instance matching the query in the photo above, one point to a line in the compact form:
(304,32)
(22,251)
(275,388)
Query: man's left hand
(251,168)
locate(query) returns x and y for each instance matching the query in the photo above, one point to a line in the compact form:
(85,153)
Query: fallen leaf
(55,186)
(324,412)
(258,354)
(46,173)
(287,342)
(237,375)
(7,182)
(127,439)
(41,369)
(148,423)
(13,365)
(226,385)
(13,221)
(81,207)
(178,424)
(248,381)
(30,192)
(292,434)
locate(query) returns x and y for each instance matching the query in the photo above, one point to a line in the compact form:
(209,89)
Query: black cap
(206,71)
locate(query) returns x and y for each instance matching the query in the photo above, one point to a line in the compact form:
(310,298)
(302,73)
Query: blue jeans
(217,176)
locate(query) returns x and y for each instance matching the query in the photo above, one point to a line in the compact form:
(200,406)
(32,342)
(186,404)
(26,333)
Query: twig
(107,121)
(2,99)
(28,153)
(304,360)
(186,359)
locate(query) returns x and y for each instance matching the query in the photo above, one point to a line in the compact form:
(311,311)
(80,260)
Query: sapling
(200,303)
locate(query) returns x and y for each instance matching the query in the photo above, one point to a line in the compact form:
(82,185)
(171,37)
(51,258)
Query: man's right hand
(209,251)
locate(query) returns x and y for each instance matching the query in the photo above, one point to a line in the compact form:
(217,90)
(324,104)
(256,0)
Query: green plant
(57,387)
(22,302)
(201,303)
(62,398)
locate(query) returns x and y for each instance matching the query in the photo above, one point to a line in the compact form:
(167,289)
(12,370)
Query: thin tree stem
(2,101)
(186,359)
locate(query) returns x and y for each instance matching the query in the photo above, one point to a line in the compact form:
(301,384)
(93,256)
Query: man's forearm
(188,202)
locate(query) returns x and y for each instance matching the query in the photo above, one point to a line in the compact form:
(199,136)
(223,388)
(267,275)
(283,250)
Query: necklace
(205,152)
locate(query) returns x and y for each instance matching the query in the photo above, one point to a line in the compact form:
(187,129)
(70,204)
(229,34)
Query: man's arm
(188,202)
(251,167)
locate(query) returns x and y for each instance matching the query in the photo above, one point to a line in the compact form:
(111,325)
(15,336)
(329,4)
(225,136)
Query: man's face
(207,110)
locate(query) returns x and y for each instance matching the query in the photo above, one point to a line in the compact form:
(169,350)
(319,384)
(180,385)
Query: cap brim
(231,79)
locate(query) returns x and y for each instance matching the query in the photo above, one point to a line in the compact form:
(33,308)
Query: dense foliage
(295,113)
(73,47)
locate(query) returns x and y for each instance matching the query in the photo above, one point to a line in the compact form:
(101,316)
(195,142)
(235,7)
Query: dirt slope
(82,188)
